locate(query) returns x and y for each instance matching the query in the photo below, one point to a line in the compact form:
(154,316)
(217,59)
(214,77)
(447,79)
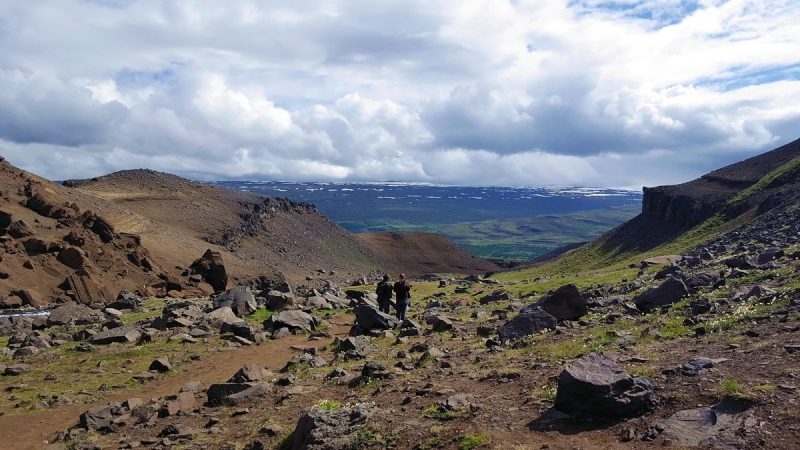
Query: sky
(512,93)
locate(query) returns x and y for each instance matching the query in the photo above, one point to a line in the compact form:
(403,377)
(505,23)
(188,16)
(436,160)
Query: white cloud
(591,92)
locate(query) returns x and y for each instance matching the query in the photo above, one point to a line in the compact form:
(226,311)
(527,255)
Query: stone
(85,289)
(370,318)
(441,324)
(695,366)
(183,402)
(373,368)
(721,426)
(30,297)
(212,269)
(297,320)
(17,369)
(234,394)
(769,254)
(321,429)
(11,302)
(73,257)
(20,229)
(596,386)
(128,333)
(249,373)
(239,299)
(219,316)
(670,271)
(529,321)
(126,300)
(278,301)
(317,302)
(161,365)
(97,418)
(194,386)
(566,303)
(670,291)
(458,402)
(700,280)
(76,314)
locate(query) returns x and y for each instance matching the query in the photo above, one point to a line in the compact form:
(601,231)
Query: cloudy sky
(582,92)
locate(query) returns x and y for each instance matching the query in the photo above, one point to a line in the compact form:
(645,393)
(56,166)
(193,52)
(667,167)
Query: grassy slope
(525,238)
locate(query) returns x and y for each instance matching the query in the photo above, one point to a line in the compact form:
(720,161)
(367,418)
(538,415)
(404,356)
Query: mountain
(718,201)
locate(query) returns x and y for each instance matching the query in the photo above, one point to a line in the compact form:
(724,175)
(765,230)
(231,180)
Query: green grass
(327,405)
(258,317)
(785,172)
(439,412)
(469,442)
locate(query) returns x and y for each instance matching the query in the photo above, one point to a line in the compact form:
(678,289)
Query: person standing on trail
(402,290)
(384,291)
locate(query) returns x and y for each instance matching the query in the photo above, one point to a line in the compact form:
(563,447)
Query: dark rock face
(239,299)
(20,229)
(670,291)
(530,320)
(566,303)
(596,386)
(370,318)
(331,429)
(278,301)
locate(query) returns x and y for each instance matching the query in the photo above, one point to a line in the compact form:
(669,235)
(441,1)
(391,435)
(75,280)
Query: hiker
(402,289)
(384,291)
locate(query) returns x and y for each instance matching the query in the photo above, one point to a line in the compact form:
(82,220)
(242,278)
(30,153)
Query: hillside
(717,201)
(425,253)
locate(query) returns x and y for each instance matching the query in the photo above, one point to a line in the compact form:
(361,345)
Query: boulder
(17,369)
(31,297)
(297,320)
(161,365)
(531,320)
(183,402)
(249,374)
(128,333)
(370,318)
(239,299)
(596,386)
(76,314)
(670,271)
(321,429)
(224,315)
(566,303)
(211,268)
(73,257)
(237,393)
(670,291)
(278,300)
(700,280)
(20,229)
(317,302)
(126,300)
(770,254)
(10,302)
(85,289)
(97,418)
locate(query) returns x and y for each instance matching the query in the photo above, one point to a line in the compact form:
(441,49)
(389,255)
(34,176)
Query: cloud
(588,92)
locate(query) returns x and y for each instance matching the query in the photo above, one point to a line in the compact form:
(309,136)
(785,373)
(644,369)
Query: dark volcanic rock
(530,320)
(97,418)
(700,280)
(566,303)
(596,386)
(671,291)
(331,429)
(370,318)
(211,268)
(126,300)
(237,393)
(721,426)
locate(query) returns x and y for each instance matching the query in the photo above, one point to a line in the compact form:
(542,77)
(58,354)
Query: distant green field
(522,238)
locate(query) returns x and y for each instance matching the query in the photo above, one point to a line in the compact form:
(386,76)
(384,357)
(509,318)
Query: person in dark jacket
(384,291)
(402,290)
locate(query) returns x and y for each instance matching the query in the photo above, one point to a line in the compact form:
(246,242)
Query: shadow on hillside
(640,234)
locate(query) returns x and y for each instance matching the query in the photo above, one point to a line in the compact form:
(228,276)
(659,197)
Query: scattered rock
(529,321)
(331,429)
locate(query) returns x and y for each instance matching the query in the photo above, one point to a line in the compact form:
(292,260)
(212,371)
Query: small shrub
(439,412)
(327,405)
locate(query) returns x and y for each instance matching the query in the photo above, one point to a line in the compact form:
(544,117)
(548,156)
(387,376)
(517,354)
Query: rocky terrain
(690,342)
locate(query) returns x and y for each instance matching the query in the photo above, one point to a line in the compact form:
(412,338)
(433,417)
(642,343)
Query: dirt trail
(30,431)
